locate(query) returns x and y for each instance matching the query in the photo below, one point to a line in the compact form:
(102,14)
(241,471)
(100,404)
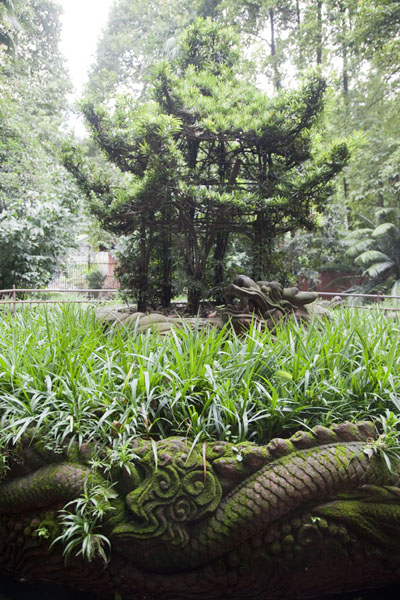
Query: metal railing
(377,297)
(93,295)
(76,275)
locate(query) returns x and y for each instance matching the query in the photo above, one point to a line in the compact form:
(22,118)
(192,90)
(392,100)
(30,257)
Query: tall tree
(376,33)
(37,196)
(211,154)
(137,35)
(354,43)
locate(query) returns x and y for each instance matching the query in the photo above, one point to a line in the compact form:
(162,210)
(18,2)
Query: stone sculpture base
(298,518)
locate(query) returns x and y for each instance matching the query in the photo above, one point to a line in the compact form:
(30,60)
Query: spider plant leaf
(387,461)
(155,454)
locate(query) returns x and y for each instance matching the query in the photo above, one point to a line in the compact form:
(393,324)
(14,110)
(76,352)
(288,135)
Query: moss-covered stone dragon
(300,517)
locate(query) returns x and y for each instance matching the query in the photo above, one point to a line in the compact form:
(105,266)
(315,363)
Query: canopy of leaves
(213,150)
(37,196)
(377,30)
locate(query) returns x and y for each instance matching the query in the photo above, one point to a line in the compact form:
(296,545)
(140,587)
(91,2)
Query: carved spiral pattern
(171,495)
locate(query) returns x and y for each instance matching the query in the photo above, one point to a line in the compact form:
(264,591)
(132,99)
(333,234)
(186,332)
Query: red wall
(334,281)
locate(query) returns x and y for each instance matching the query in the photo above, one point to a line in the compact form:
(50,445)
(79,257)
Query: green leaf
(385,229)
(396,288)
(371,256)
(285,375)
(379,268)
(359,233)
(359,247)
(384,213)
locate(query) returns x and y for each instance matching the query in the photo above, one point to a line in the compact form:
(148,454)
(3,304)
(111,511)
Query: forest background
(263,138)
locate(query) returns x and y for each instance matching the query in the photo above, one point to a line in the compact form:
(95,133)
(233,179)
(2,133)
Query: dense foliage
(353,42)
(208,156)
(37,196)
(66,379)
(200,174)
(68,384)
(375,246)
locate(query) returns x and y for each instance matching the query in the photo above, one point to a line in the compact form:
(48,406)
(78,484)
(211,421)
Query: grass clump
(65,379)
(80,525)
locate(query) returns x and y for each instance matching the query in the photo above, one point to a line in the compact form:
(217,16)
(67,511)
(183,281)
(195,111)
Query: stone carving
(136,321)
(265,302)
(317,513)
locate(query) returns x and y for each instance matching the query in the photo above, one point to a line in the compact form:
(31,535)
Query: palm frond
(371,256)
(365,219)
(385,229)
(359,247)
(359,233)
(383,214)
(378,269)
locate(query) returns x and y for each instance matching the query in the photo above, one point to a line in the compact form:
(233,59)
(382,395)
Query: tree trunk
(262,249)
(197,248)
(221,245)
(166,260)
(319,33)
(166,284)
(345,188)
(299,40)
(142,279)
(277,79)
(345,76)
(345,83)
(141,299)
(194,294)
(343,41)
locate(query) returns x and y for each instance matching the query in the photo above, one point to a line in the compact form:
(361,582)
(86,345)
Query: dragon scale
(297,518)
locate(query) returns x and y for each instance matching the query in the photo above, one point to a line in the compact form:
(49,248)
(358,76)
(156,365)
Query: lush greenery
(375,245)
(208,156)
(354,44)
(38,199)
(243,175)
(225,153)
(65,379)
(66,382)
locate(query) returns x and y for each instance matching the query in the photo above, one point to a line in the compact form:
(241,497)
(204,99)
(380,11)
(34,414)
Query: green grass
(66,379)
